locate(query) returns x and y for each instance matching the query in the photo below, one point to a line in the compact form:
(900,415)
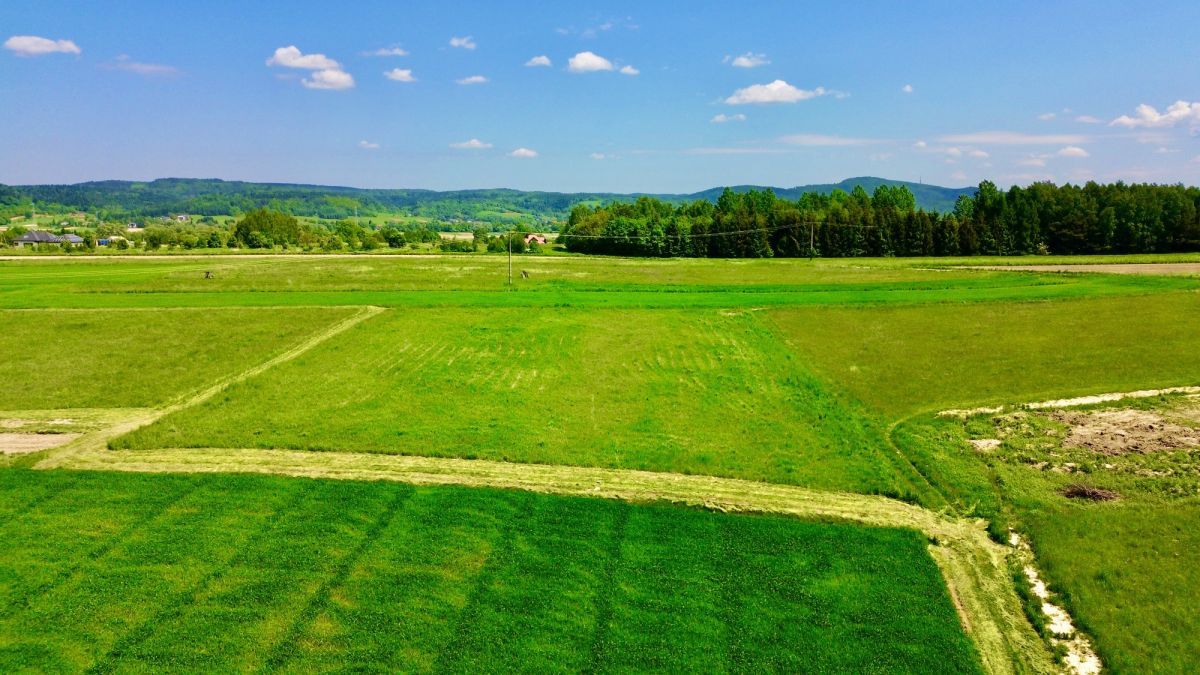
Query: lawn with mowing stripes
(119,572)
(117,358)
(704,392)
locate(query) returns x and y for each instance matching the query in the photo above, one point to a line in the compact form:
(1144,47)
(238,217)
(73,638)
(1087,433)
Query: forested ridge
(117,200)
(1041,218)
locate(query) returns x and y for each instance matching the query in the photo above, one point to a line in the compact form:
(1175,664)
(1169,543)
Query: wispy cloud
(1013,138)
(540,60)
(123,62)
(1046,117)
(473,144)
(467,42)
(472,79)
(735,151)
(777,91)
(747,60)
(400,75)
(722,118)
(32,45)
(822,140)
(599,156)
(1088,119)
(523,153)
(629,70)
(386,51)
(368,145)
(908,89)
(588,62)
(1147,116)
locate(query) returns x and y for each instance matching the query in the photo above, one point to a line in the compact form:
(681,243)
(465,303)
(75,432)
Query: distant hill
(119,199)
(929,197)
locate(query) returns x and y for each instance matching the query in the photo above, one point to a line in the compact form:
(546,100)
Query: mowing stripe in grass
(453,654)
(172,609)
(156,509)
(607,587)
(286,648)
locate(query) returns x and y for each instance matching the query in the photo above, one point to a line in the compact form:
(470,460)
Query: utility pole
(811,239)
(510,236)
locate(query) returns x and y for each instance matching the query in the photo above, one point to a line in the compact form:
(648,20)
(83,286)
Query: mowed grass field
(128,572)
(821,374)
(1126,569)
(688,391)
(131,358)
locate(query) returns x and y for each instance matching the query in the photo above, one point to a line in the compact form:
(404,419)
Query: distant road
(1106,268)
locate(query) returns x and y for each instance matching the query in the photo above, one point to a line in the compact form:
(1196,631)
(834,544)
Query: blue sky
(945,92)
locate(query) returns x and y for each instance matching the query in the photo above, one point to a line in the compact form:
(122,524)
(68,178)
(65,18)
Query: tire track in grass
(179,604)
(606,589)
(21,600)
(286,647)
(454,653)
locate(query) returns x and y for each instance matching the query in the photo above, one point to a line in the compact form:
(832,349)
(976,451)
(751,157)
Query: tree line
(1040,219)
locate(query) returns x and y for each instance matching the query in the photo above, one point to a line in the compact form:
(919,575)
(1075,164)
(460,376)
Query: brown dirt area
(20,444)
(1106,268)
(1120,432)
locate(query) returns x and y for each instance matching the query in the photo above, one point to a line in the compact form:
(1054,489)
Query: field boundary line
(975,568)
(1072,402)
(98,440)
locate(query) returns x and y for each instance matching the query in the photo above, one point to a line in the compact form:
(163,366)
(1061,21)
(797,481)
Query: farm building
(529,238)
(71,239)
(37,237)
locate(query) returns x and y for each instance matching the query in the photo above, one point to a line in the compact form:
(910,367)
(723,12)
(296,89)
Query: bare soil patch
(1088,492)
(20,444)
(1120,432)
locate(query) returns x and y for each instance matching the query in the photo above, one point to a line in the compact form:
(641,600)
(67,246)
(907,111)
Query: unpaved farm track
(1174,269)
(975,568)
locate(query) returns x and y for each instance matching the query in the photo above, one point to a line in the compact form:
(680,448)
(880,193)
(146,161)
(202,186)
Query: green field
(824,375)
(131,573)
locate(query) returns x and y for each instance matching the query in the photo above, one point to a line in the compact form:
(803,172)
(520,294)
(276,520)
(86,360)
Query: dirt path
(97,441)
(1104,268)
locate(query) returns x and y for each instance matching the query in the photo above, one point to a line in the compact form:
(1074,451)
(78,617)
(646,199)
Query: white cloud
(820,140)
(541,60)
(399,75)
(1046,117)
(368,145)
(467,42)
(629,70)
(1088,119)
(32,45)
(920,145)
(723,118)
(523,153)
(1013,138)
(473,79)
(291,57)
(978,154)
(1148,116)
(748,60)
(588,62)
(908,89)
(473,144)
(1072,151)
(773,92)
(123,62)
(387,51)
(330,78)
(881,156)
(1166,151)
(599,155)
(1032,161)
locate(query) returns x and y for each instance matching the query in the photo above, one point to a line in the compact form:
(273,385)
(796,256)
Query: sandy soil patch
(1109,268)
(20,444)
(1120,432)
